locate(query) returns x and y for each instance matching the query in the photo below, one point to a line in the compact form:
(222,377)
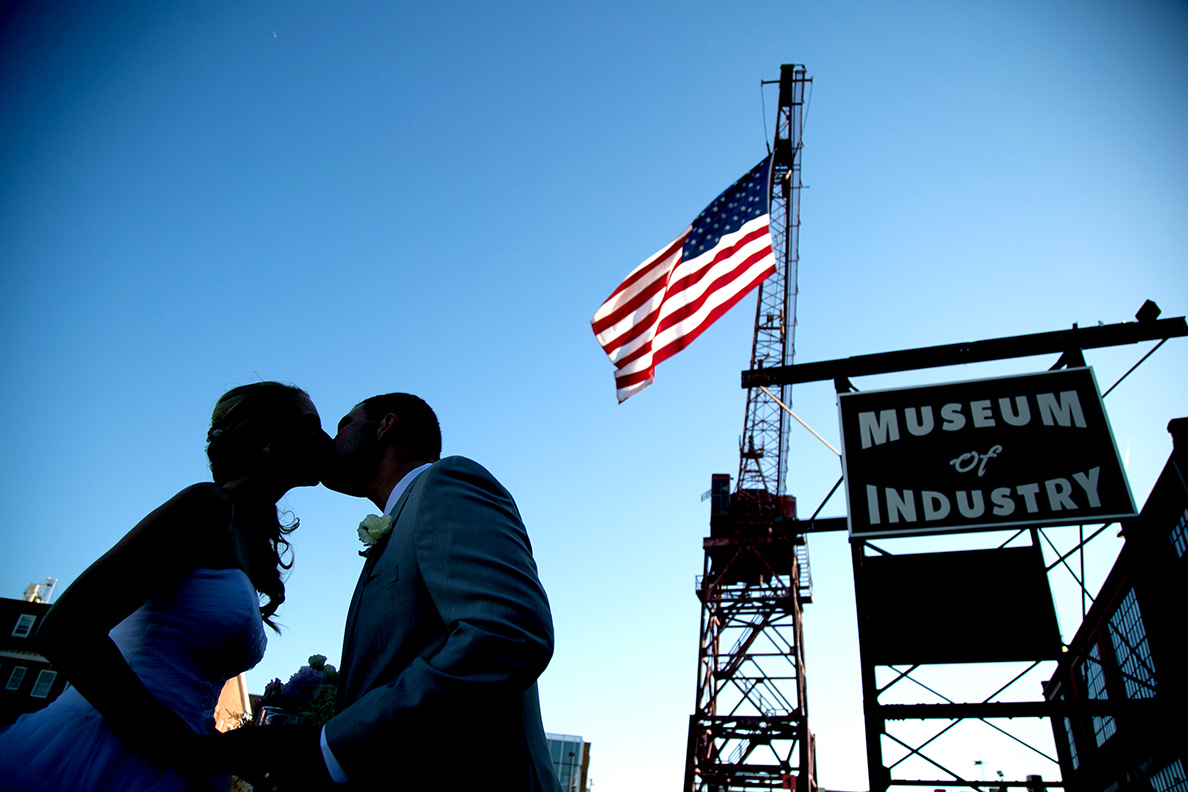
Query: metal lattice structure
(906,731)
(763,462)
(750,728)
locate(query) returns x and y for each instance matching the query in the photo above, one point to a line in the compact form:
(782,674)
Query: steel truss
(941,715)
(1070,344)
(763,449)
(751,716)
(949,714)
(750,726)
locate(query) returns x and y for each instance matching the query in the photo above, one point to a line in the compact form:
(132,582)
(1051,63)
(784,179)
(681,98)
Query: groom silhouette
(447,632)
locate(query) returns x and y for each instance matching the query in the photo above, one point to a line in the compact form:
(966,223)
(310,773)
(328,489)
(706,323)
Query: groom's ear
(385,425)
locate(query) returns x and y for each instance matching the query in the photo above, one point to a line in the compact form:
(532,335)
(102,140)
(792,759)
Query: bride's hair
(244,421)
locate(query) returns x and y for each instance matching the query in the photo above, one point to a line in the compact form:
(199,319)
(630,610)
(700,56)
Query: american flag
(668,301)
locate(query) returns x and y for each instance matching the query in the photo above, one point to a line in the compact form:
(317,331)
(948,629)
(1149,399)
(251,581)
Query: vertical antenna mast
(763,462)
(750,727)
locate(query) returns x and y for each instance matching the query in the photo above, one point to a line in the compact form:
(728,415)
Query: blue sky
(365,197)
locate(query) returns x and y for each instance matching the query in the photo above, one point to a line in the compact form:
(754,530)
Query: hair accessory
(216,433)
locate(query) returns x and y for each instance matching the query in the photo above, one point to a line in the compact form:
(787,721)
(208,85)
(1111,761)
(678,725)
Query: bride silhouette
(148,634)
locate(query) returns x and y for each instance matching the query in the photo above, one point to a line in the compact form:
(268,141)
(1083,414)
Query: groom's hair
(416,425)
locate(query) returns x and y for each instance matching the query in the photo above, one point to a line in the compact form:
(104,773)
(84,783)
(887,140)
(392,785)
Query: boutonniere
(372,529)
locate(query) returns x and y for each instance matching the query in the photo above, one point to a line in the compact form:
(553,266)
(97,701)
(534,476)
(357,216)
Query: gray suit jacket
(446,634)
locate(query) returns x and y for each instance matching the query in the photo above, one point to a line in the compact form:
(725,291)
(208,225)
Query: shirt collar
(402,485)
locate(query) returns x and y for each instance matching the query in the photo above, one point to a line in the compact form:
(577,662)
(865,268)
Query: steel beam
(1057,342)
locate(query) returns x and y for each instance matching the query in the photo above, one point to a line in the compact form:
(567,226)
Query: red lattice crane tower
(750,728)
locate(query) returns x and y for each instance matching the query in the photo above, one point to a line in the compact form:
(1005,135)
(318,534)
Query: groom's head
(379,438)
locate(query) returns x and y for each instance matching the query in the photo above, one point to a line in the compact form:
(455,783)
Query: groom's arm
(476,561)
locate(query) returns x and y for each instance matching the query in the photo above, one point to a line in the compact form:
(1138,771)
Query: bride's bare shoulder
(196,506)
(203,494)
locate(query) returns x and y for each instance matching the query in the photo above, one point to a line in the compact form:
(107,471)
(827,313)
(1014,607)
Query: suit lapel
(364,578)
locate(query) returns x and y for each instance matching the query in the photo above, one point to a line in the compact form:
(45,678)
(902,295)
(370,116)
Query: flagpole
(788,410)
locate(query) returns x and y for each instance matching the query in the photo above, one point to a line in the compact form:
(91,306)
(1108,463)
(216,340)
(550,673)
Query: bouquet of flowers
(308,696)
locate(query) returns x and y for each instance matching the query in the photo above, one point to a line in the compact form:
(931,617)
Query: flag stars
(744,201)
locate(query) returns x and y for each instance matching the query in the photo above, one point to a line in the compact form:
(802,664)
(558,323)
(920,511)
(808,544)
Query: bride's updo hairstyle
(245,420)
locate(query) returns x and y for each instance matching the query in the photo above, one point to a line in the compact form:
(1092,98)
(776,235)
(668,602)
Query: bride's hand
(243,752)
(180,748)
(274,757)
(205,755)
(197,756)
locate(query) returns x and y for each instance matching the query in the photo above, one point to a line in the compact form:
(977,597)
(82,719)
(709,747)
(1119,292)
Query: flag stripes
(667,301)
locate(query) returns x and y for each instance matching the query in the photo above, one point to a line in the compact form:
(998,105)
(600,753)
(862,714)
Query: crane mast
(750,726)
(763,457)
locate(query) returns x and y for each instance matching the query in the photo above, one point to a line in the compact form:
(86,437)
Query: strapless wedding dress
(183,645)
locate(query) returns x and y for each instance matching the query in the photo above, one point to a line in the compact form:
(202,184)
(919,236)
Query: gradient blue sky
(363,197)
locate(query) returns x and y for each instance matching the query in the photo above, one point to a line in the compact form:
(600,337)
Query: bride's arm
(188,531)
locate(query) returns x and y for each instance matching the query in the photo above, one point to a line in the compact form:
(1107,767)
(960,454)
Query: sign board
(981,455)
(968,606)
